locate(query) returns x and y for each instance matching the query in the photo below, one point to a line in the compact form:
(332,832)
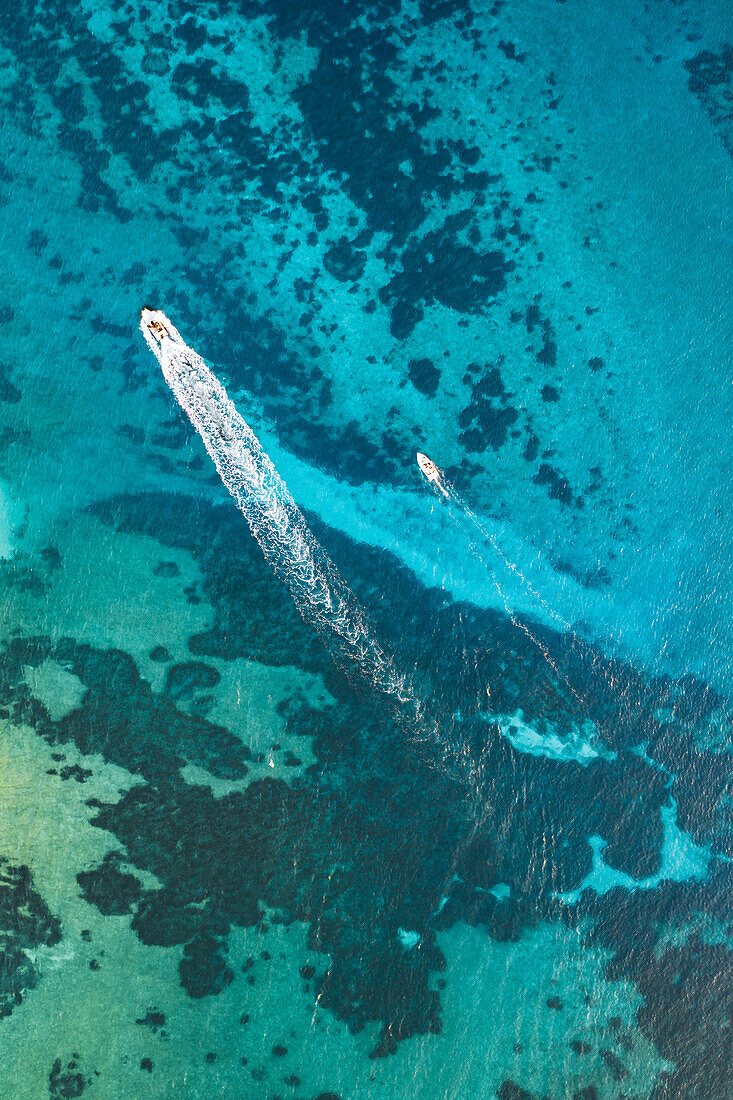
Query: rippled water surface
(497,234)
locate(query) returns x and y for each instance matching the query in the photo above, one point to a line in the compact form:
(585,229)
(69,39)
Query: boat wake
(472,526)
(319,592)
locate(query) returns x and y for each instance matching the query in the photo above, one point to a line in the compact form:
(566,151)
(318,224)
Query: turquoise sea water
(501,235)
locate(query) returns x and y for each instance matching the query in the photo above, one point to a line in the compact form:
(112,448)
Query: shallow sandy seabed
(89,1014)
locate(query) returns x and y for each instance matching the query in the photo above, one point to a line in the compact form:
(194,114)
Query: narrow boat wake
(472,525)
(320,593)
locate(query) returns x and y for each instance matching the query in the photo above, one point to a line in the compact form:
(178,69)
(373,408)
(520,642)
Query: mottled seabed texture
(500,234)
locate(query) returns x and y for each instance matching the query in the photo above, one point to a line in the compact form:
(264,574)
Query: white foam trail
(468,519)
(450,492)
(318,590)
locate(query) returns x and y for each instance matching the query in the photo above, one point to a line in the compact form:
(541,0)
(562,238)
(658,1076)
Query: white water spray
(321,595)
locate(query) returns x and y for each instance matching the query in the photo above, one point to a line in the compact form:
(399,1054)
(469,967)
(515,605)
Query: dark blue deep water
(497,233)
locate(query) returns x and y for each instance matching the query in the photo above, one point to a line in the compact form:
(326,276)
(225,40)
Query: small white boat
(156,323)
(430,471)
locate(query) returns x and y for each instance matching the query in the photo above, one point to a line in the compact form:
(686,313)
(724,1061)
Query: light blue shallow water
(498,236)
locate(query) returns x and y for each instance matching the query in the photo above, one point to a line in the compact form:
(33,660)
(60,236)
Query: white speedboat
(430,472)
(156,323)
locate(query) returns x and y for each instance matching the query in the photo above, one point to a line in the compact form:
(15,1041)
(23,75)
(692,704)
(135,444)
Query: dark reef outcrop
(26,923)
(220,859)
